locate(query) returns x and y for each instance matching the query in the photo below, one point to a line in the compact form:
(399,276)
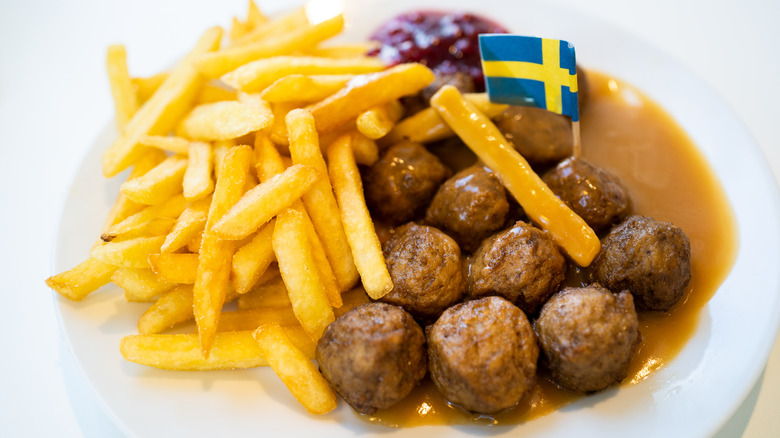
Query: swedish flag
(530,71)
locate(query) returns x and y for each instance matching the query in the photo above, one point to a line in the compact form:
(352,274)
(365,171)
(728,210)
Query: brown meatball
(588,336)
(470,207)
(401,184)
(522,264)
(541,136)
(427,270)
(595,194)
(650,258)
(373,356)
(482,355)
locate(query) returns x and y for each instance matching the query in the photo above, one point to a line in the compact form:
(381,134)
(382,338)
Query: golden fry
(539,202)
(125,100)
(369,91)
(263,202)
(296,370)
(376,122)
(132,253)
(290,21)
(215,64)
(301,88)
(159,184)
(190,224)
(257,75)
(224,120)
(161,112)
(140,285)
(366,249)
(300,274)
(252,259)
(146,87)
(83,279)
(214,262)
(197,181)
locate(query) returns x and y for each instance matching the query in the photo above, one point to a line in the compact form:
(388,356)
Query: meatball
(373,356)
(541,136)
(401,184)
(427,270)
(482,355)
(595,194)
(650,258)
(588,336)
(522,264)
(470,207)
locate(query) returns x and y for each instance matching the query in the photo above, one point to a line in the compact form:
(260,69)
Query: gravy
(668,179)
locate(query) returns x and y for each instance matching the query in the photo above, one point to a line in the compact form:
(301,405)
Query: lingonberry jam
(445,42)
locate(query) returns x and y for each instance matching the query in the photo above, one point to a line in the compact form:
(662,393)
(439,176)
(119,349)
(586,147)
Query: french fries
(80,281)
(362,238)
(197,182)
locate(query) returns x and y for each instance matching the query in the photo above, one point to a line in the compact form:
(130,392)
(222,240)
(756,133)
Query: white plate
(693,396)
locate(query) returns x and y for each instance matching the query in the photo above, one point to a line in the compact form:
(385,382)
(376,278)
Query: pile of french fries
(244,186)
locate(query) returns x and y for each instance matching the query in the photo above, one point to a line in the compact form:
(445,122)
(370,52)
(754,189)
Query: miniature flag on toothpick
(530,71)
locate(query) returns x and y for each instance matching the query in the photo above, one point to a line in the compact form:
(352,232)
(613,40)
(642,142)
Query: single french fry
(189,224)
(238,29)
(250,319)
(266,293)
(365,150)
(372,90)
(257,75)
(161,112)
(177,145)
(125,100)
(344,50)
(175,268)
(140,285)
(427,126)
(224,120)
(146,87)
(543,207)
(173,307)
(215,64)
(214,261)
(83,279)
(271,164)
(320,201)
(376,122)
(251,260)
(123,207)
(159,184)
(301,88)
(366,249)
(231,350)
(295,370)
(263,202)
(290,21)
(152,220)
(132,253)
(197,181)
(254,17)
(300,274)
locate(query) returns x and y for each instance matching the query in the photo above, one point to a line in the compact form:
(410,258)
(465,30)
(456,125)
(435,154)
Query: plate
(712,374)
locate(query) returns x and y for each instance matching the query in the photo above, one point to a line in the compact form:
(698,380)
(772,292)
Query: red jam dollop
(445,42)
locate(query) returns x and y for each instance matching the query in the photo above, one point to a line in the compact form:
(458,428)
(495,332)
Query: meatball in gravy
(650,258)
(470,207)
(588,336)
(522,264)
(427,270)
(595,194)
(401,184)
(482,355)
(373,356)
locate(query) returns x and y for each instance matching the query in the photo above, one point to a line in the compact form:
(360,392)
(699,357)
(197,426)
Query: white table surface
(54,100)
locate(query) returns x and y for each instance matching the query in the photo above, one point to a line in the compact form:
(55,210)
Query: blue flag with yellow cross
(530,71)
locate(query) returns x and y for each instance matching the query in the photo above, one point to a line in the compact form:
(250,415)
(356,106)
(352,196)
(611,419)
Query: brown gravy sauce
(668,179)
